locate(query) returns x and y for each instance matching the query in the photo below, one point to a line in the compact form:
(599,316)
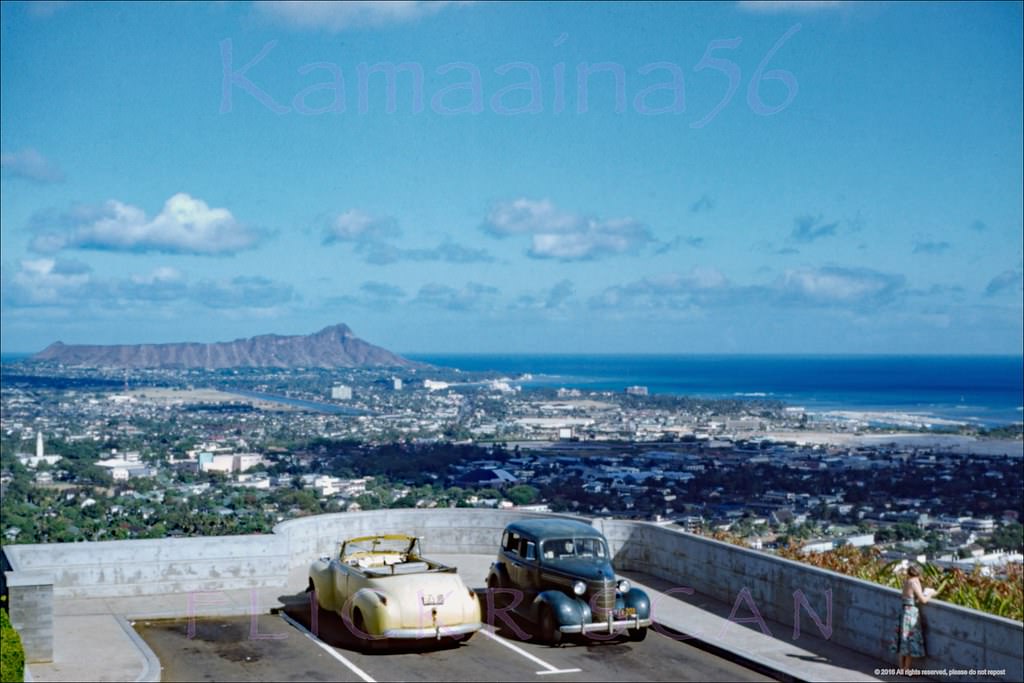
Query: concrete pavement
(93,640)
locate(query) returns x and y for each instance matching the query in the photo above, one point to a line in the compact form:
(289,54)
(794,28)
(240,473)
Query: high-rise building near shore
(341,392)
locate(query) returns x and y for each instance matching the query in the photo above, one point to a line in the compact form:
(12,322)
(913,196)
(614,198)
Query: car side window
(512,546)
(531,550)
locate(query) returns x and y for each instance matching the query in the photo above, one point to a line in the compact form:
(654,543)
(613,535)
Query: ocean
(985,390)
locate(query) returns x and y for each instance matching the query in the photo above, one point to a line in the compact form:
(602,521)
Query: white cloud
(242,292)
(528,216)
(185,226)
(669,290)
(471,297)
(46,282)
(834,285)
(372,235)
(356,226)
(373,295)
(55,283)
(830,286)
(596,239)
(338,16)
(30,165)
(161,274)
(551,299)
(558,234)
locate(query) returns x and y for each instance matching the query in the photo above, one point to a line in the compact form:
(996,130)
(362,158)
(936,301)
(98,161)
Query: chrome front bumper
(433,632)
(607,626)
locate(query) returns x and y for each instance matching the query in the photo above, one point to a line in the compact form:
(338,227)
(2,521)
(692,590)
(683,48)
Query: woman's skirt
(909,638)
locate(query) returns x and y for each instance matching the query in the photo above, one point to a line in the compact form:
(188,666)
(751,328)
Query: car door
(513,561)
(531,582)
(341,582)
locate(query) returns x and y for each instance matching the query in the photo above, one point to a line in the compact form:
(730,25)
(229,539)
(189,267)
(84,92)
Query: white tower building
(39,444)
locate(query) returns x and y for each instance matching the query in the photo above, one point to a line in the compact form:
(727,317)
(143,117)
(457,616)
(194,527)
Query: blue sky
(737,177)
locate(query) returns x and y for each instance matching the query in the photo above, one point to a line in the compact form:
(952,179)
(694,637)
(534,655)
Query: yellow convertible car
(384,589)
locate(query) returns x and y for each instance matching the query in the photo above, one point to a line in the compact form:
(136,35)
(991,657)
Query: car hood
(587,570)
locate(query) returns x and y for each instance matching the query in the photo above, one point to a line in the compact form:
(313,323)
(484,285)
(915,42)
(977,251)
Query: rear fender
(378,610)
(500,572)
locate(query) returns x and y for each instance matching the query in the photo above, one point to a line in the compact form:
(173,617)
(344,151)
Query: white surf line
(548,669)
(328,649)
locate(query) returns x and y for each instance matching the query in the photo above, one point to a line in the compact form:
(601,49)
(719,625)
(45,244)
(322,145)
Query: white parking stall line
(548,668)
(328,649)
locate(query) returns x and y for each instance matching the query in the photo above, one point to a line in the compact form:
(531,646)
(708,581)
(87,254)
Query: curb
(751,662)
(150,662)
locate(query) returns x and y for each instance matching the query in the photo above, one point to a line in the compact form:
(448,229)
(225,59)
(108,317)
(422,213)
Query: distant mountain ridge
(332,347)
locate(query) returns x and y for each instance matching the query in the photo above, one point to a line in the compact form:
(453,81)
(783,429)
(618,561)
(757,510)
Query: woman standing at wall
(909,641)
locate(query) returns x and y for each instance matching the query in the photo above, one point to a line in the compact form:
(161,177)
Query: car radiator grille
(603,600)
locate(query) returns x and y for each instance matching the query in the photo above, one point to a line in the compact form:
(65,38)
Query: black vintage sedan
(557,573)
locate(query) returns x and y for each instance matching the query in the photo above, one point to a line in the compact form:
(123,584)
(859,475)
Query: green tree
(906,531)
(368,501)
(1009,536)
(522,495)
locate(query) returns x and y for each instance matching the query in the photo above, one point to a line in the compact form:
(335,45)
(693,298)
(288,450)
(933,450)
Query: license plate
(625,613)
(432,600)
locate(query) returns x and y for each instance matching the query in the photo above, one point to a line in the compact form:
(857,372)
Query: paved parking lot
(281,647)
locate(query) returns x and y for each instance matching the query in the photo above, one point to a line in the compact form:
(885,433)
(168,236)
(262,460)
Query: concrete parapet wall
(449,530)
(147,567)
(212,563)
(863,614)
(31,612)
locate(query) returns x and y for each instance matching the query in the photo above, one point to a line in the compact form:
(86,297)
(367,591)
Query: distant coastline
(913,391)
(980,390)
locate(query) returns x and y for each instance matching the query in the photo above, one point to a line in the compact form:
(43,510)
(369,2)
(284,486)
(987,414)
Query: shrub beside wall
(12,656)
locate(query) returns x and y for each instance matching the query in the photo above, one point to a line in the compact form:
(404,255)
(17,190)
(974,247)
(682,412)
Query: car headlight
(624,586)
(579,588)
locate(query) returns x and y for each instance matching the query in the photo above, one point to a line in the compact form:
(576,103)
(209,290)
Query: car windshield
(564,548)
(397,546)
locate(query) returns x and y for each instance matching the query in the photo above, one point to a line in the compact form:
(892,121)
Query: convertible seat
(403,568)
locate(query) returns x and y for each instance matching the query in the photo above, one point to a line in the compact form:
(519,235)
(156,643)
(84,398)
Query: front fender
(638,600)
(566,608)
(323,584)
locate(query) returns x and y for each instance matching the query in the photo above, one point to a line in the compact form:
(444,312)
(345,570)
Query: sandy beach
(891,418)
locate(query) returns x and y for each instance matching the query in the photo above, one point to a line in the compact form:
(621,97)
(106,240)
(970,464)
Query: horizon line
(663,354)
